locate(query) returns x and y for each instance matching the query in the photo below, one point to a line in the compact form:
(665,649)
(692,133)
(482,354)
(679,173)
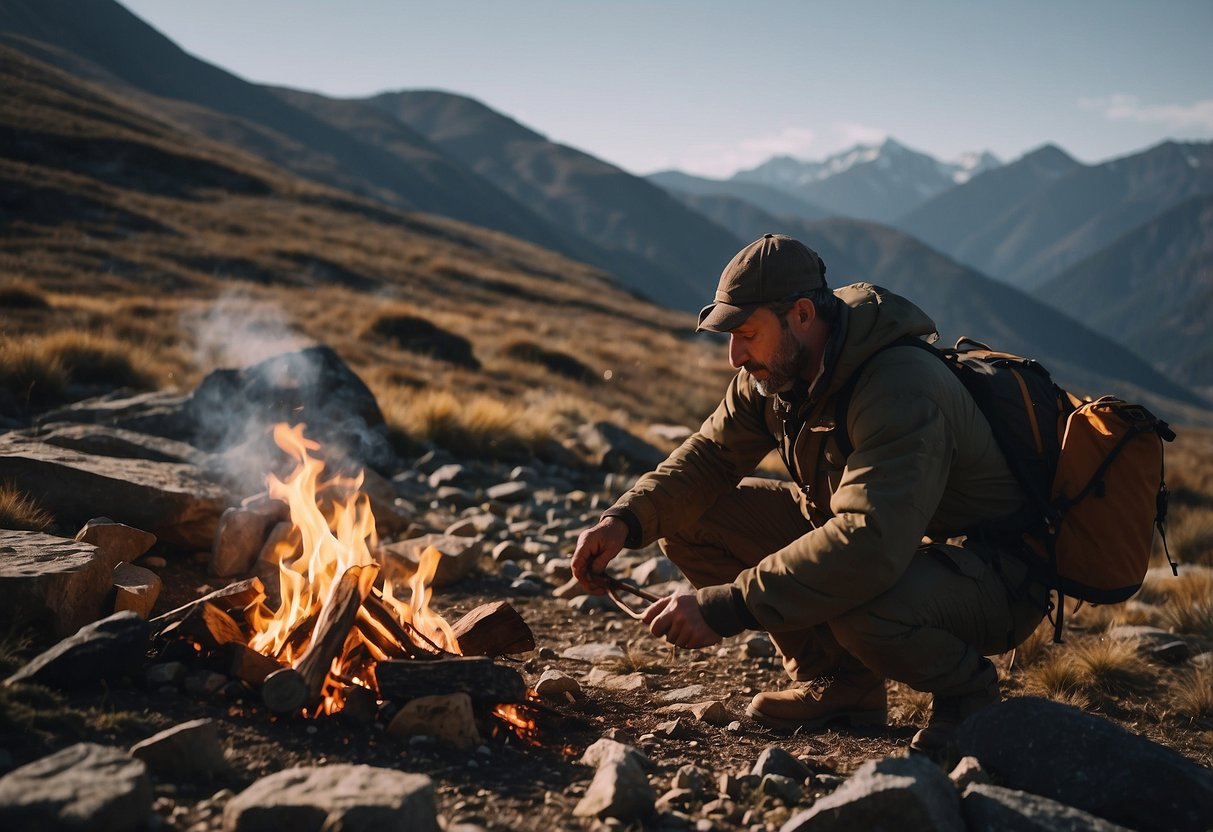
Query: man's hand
(595,548)
(678,618)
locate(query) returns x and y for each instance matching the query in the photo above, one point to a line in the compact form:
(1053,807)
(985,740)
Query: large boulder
(1064,754)
(312,385)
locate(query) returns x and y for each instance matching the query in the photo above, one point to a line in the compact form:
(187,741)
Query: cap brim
(723,317)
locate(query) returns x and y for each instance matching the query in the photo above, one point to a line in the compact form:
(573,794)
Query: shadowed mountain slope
(946,220)
(965,302)
(1028,242)
(102,41)
(1152,290)
(575,191)
(767,198)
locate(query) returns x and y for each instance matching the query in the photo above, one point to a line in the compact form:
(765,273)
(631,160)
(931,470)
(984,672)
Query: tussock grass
(1035,649)
(910,707)
(474,424)
(20,512)
(1193,695)
(30,373)
(42,369)
(1189,615)
(1083,672)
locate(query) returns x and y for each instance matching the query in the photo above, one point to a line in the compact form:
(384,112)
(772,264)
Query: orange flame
(334,531)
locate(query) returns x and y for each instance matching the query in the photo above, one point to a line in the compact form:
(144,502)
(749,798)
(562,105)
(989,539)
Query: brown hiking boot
(857,697)
(947,712)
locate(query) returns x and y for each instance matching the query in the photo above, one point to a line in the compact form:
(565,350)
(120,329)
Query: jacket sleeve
(892,483)
(728,446)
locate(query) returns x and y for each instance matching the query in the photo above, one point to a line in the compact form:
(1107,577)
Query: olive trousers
(953,605)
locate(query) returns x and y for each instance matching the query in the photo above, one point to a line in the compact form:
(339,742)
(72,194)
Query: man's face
(766,346)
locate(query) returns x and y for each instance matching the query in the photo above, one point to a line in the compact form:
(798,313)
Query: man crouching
(845,566)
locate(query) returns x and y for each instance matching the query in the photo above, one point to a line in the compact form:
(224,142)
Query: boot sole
(856,719)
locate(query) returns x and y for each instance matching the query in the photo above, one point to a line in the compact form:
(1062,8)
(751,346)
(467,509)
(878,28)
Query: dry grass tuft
(474,424)
(1188,614)
(30,373)
(909,706)
(20,512)
(1111,666)
(1193,696)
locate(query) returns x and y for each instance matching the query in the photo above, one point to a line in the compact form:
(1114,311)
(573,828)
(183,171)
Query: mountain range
(666,237)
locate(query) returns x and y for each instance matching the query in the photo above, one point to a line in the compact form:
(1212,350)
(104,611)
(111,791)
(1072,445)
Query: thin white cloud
(850,133)
(1121,107)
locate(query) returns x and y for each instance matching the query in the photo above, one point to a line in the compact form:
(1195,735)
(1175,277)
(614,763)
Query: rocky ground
(628,732)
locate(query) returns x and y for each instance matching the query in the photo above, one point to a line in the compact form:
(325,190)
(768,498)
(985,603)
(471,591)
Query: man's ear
(804,313)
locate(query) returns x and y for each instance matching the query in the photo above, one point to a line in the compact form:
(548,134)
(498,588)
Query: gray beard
(784,368)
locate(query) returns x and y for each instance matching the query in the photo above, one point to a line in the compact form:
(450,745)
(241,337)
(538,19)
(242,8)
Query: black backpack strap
(842,401)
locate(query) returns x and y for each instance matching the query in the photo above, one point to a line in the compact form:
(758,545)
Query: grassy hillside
(175,254)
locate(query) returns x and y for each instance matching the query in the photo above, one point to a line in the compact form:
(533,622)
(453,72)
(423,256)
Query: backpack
(1092,472)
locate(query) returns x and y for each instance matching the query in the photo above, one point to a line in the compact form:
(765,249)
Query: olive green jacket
(925,463)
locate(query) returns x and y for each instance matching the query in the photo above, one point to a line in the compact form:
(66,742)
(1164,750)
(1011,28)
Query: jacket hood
(871,317)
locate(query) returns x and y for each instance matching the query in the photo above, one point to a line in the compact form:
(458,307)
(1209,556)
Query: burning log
(477,676)
(207,625)
(301,686)
(494,629)
(242,662)
(234,596)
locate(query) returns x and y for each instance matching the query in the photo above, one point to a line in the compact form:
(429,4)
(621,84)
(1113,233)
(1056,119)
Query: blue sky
(712,87)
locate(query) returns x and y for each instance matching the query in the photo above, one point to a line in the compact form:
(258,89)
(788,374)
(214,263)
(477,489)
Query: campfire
(338,627)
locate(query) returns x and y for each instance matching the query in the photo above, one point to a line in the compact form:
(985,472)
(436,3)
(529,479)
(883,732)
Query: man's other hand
(595,548)
(679,620)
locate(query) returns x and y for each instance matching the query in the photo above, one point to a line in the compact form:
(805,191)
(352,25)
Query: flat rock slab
(105,649)
(136,589)
(161,413)
(593,653)
(43,577)
(173,501)
(84,788)
(1064,754)
(352,798)
(105,440)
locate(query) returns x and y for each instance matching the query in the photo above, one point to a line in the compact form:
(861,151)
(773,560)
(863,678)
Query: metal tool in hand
(615,584)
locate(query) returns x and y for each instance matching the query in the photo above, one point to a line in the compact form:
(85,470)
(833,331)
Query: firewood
(494,629)
(234,596)
(477,676)
(209,626)
(289,689)
(242,662)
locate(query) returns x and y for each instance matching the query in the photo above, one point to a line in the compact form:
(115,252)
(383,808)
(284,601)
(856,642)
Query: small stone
(448,717)
(554,685)
(674,729)
(136,589)
(510,570)
(601,678)
(238,541)
(164,673)
(619,789)
(509,492)
(774,760)
(692,779)
(447,475)
(759,646)
(508,550)
(967,772)
(687,694)
(191,749)
(594,653)
(153,562)
(785,789)
(591,603)
(526,588)
(606,749)
(676,799)
(201,683)
(118,542)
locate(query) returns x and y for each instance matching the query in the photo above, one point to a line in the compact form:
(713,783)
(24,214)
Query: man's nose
(737,352)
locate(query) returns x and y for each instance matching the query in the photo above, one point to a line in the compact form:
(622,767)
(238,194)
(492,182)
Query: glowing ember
(334,532)
(520,724)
